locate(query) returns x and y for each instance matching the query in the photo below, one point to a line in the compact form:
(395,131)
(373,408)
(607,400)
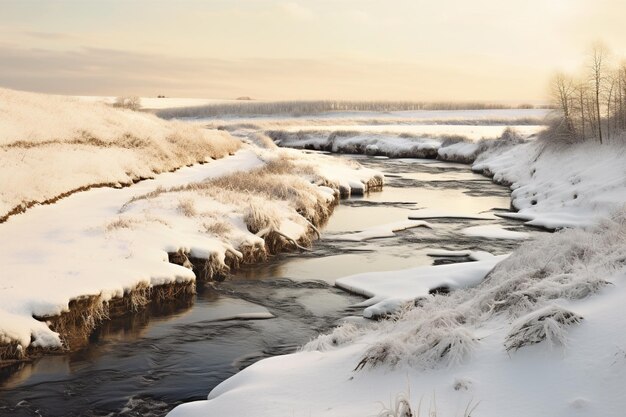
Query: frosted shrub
(339,336)
(401,407)
(544,324)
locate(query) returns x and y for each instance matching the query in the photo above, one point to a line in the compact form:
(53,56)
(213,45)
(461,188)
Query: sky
(452,50)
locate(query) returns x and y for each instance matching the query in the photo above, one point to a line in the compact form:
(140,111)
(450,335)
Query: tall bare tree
(563,95)
(581,95)
(599,56)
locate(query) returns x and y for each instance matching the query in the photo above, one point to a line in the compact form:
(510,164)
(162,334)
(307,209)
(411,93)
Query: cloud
(97,71)
(49,35)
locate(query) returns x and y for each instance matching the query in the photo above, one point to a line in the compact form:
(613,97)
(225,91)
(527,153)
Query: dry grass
(401,407)
(545,324)
(120,223)
(187,207)
(78,323)
(11,351)
(217,227)
(85,314)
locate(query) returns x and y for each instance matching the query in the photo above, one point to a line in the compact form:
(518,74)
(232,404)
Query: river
(146,364)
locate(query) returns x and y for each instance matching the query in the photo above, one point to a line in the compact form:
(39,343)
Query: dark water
(146,364)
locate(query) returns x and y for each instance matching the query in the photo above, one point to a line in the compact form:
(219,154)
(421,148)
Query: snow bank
(460,152)
(352,142)
(106,242)
(558,185)
(75,145)
(457,143)
(532,339)
(389,291)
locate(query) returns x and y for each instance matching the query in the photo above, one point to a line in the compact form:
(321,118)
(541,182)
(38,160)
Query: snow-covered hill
(53,145)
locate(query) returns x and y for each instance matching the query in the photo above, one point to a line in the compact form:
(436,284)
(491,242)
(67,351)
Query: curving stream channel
(146,364)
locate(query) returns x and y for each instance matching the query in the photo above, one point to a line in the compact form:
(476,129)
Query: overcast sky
(340,49)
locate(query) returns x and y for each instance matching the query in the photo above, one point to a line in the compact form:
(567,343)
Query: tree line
(591,105)
(313,107)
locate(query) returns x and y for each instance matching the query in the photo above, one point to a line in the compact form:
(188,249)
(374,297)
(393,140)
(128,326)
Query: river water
(146,364)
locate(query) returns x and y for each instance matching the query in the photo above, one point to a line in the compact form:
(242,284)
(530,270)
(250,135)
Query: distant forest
(302,108)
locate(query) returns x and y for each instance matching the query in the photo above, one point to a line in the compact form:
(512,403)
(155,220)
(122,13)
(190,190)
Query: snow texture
(558,185)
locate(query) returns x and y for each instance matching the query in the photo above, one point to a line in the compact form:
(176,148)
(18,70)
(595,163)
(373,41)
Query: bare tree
(599,56)
(563,94)
(128,102)
(581,94)
(610,87)
(621,92)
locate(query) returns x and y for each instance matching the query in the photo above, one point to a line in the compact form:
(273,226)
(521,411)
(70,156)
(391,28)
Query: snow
(462,150)
(381,231)
(536,332)
(74,145)
(389,291)
(559,185)
(493,231)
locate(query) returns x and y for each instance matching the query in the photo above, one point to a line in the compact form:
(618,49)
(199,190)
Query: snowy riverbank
(64,263)
(553,184)
(538,333)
